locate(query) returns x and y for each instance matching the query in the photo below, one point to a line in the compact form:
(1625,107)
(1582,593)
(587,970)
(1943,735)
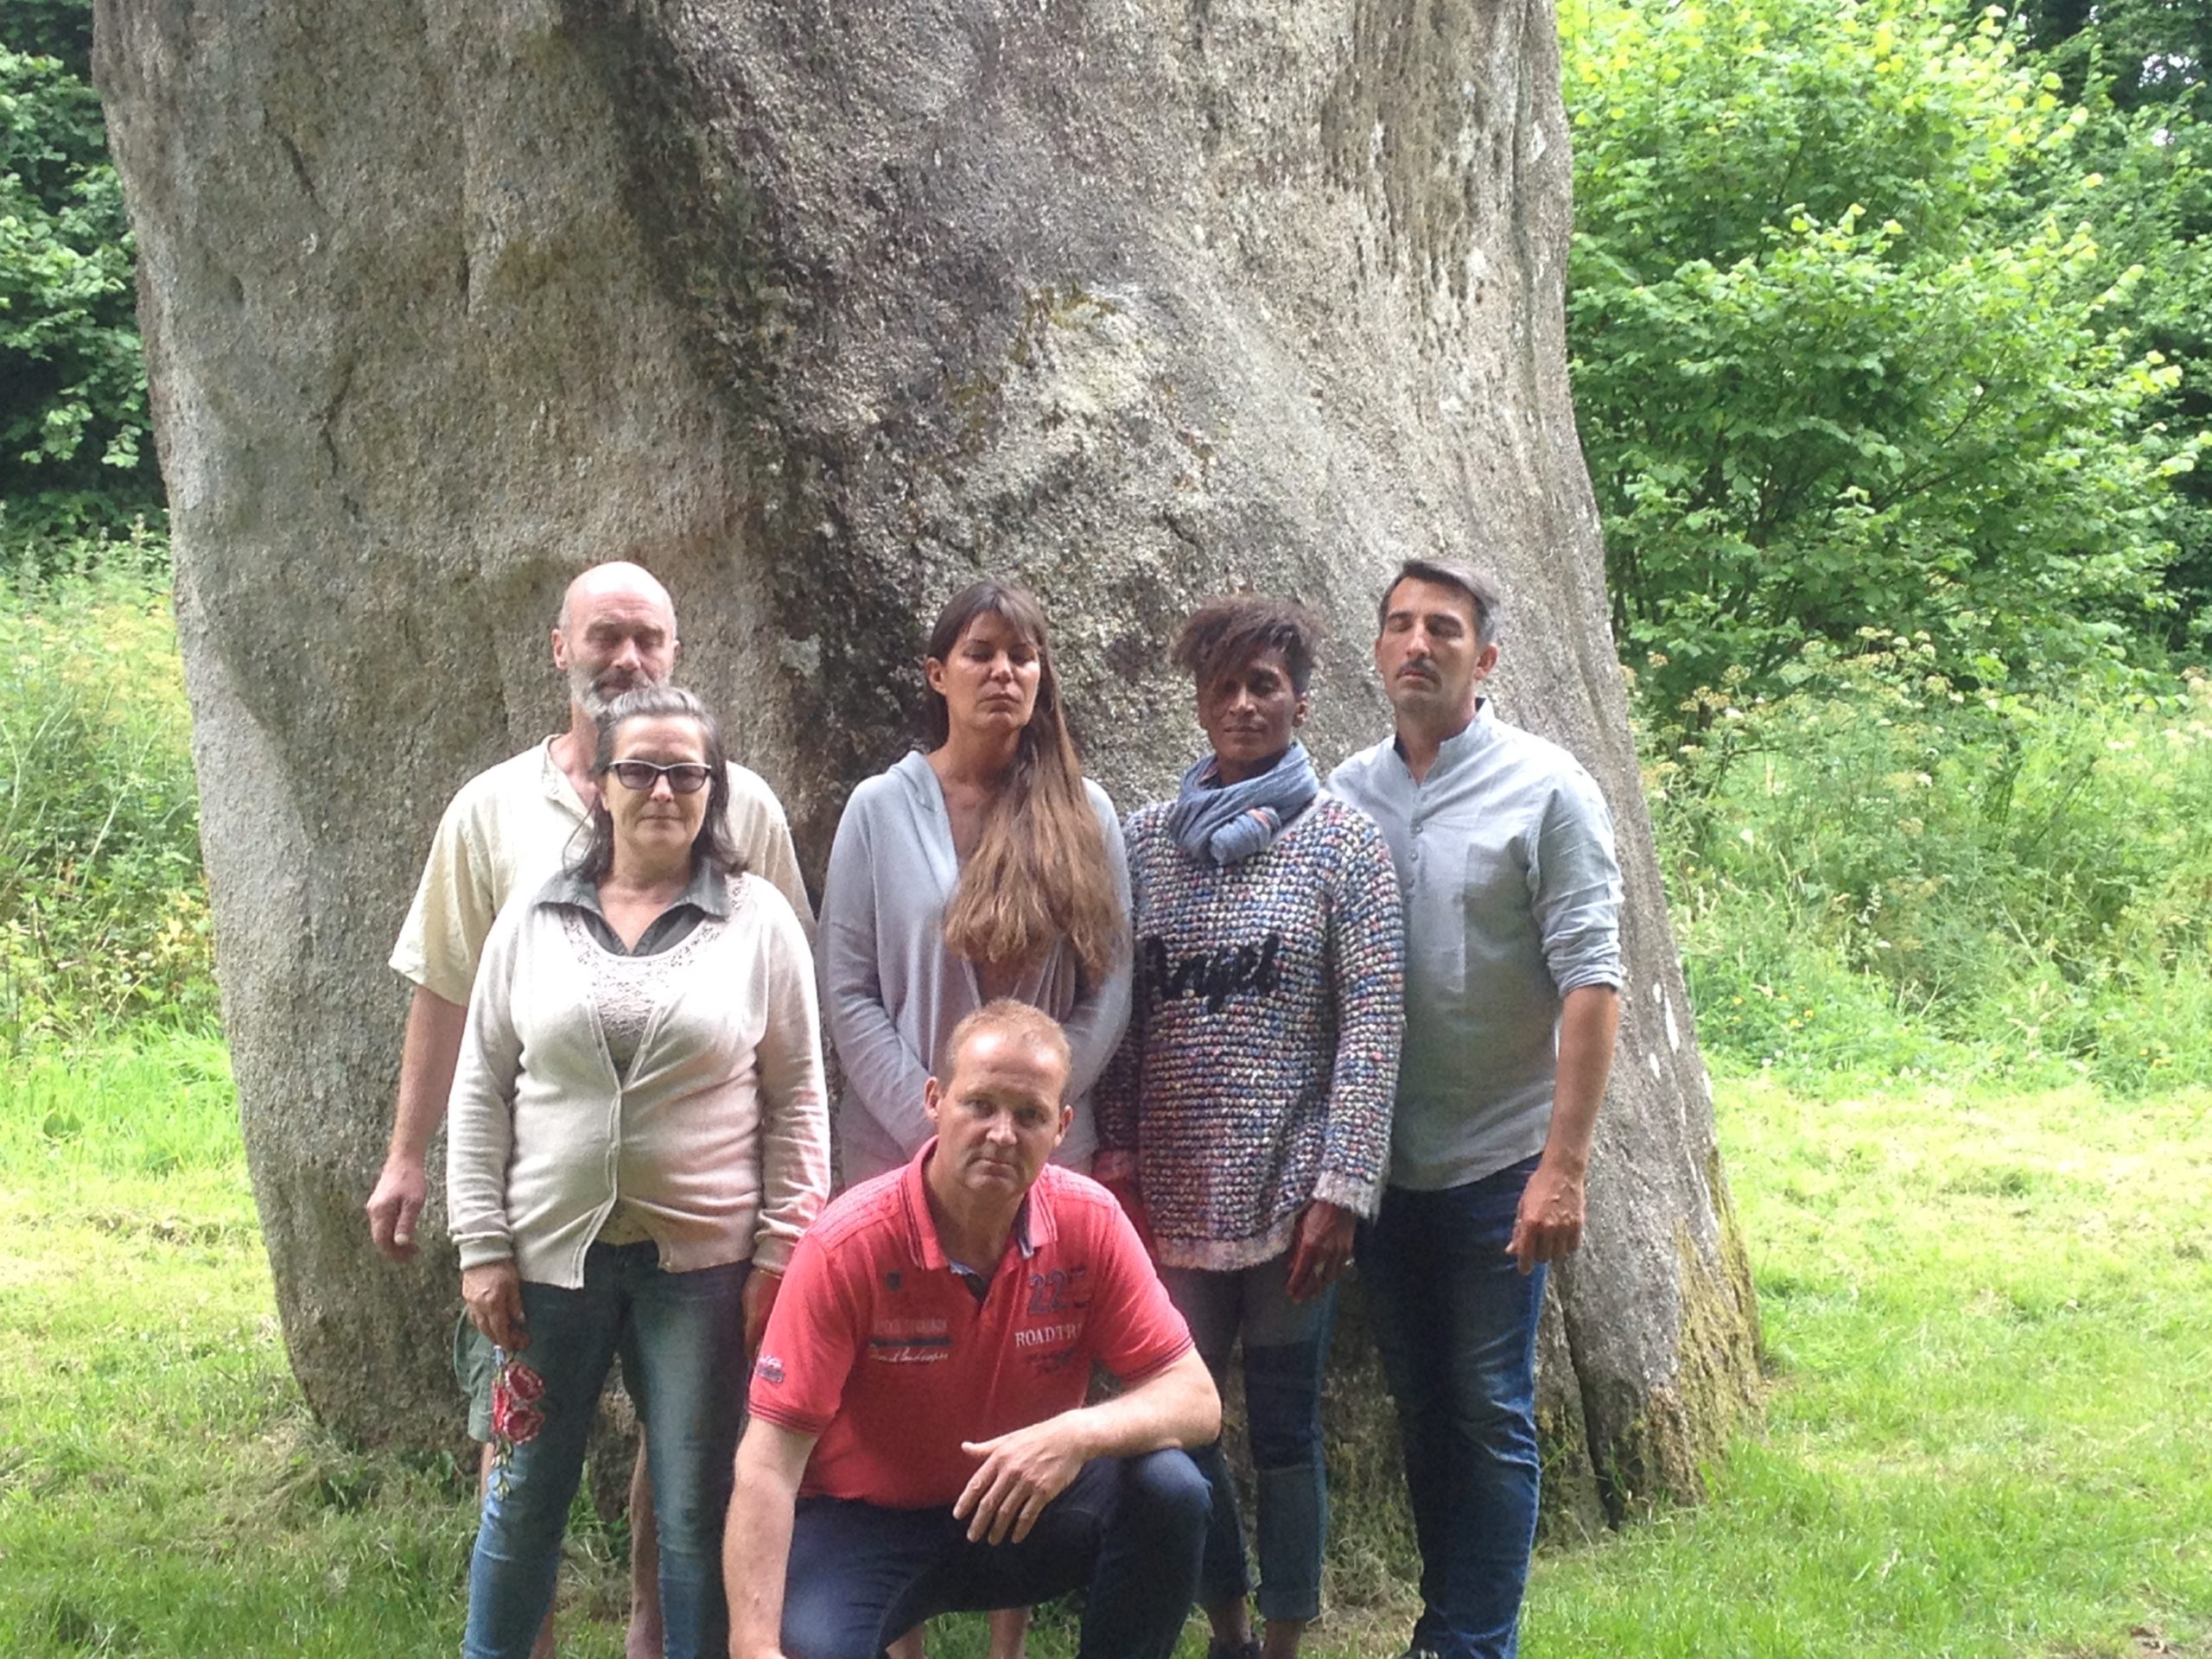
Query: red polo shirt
(878,1348)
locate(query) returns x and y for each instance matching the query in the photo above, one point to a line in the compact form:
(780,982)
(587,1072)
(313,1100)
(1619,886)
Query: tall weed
(103,911)
(1881,871)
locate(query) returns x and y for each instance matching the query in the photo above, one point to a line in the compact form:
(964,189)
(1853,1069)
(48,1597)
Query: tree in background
(76,453)
(2143,174)
(2153,51)
(1840,361)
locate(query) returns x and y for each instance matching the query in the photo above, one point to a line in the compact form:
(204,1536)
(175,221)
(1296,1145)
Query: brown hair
(712,846)
(1008,1016)
(1223,634)
(1448,573)
(1039,874)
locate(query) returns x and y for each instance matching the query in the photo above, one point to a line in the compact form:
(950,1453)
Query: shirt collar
(708,891)
(1475,735)
(558,789)
(1032,1223)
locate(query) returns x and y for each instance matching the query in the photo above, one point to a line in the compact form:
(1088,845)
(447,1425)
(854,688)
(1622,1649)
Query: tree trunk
(820,311)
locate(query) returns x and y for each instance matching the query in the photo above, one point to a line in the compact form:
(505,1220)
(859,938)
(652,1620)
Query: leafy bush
(1836,363)
(1876,870)
(103,911)
(76,453)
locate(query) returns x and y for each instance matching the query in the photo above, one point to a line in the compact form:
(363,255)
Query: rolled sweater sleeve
(1576,884)
(794,1116)
(479,1113)
(881,1072)
(1367,951)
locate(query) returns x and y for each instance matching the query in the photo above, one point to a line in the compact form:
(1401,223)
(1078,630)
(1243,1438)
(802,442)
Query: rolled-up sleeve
(1577,897)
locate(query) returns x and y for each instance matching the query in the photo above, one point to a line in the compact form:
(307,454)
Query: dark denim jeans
(1456,1321)
(1286,1345)
(682,1339)
(1128,1529)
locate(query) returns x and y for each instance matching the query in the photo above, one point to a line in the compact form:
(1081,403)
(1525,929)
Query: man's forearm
(1589,1019)
(757,1540)
(1176,1407)
(427,1059)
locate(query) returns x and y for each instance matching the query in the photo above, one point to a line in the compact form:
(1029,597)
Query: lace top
(624,992)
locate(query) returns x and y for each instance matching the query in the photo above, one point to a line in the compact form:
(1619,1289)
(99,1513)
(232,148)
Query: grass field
(1989,1430)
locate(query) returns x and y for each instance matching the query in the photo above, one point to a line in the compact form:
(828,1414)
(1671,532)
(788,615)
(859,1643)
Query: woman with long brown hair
(987,867)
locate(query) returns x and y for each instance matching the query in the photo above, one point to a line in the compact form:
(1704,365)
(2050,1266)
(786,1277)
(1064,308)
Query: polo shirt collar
(1034,1225)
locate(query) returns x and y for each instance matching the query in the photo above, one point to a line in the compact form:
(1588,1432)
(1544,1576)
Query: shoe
(1420,1653)
(1218,1649)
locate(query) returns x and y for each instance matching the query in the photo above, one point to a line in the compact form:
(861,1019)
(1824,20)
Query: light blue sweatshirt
(892,989)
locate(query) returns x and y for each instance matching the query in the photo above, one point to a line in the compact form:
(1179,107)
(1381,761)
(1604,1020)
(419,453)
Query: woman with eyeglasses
(986,866)
(637,1139)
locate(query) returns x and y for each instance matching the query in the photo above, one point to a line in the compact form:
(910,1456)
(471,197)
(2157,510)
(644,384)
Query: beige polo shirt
(510,829)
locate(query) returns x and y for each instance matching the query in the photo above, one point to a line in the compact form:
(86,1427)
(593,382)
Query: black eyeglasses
(684,778)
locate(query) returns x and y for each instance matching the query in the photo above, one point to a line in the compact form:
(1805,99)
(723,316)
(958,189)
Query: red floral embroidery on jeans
(516,1417)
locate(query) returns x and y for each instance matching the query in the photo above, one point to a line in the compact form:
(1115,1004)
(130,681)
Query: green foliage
(76,456)
(2140,175)
(51,29)
(1824,377)
(103,912)
(1876,872)
(2153,50)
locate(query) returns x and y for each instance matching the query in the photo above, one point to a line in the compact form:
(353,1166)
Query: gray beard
(592,699)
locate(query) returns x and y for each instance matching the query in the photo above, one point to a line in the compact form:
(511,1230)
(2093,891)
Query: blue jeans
(1128,1529)
(1456,1322)
(1286,1343)
(682,1339)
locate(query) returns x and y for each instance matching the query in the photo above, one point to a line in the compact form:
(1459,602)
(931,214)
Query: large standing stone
(820,311)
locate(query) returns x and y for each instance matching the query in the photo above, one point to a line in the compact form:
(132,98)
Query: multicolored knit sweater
(1262,1056)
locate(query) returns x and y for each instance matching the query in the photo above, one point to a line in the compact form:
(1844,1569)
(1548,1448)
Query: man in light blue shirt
(1504,851)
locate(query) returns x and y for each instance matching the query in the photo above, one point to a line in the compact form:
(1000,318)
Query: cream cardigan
(718,1141)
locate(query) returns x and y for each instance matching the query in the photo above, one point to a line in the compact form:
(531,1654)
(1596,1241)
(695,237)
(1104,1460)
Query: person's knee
(1167,1489)
(821,1626)
(527,1510)
(1282,1387)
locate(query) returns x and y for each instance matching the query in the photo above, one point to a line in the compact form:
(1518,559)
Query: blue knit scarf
(1223,823)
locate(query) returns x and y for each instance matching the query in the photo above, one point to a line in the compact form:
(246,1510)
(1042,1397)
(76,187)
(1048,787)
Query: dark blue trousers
(1128,1529)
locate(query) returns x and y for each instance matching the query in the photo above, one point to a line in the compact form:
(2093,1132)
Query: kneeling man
(919,1442)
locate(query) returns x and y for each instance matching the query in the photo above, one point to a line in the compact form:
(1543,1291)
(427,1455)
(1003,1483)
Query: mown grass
(1989,1320)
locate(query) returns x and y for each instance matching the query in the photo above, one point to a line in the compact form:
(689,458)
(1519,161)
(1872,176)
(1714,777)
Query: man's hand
(1321,1249)
(1548,1225)
(493,1293)
(759,1299)
(1022,1473)
(395,1204)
